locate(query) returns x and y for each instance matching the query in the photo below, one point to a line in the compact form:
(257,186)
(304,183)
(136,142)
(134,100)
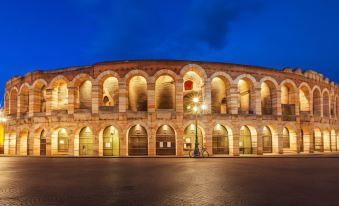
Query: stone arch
(60,141)
(23,143)
(220,140)
(137,93)
(137,141)
(248,140)
(220,93)
(40,141)
(108,89)
(13,101)
(246,93)
(165,72)
(39,96)
(326,103)
(189,136)
(83,91)
(193,86)
(269,97)
(289,139)
(165,92)
(84,142)
(318,140)
(196,68)
(289,97)
(109,141)
(317,98)
(59,86)
(305,97)
(165,140)
(24,98)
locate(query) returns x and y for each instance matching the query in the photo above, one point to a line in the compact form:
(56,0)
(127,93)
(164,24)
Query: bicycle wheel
(205,154)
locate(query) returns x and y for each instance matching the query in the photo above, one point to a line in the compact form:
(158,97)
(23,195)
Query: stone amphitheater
(146,108)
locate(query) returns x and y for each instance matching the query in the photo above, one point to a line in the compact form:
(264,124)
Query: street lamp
(197,107)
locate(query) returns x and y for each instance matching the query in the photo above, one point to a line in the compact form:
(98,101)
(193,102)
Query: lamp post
(197,107)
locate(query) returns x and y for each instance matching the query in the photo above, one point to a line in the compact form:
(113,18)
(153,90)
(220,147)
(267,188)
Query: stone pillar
(123,143)
(234,100)
(280,141)
(257,108)
(49,99)
(30,143)
(180,142)
(32,103)
(123,97)
(208,135)
(260,140)
(234,148)
(151,97)
(179,96)
(208,96)
(71,100)
(279,112)
(49,142)
(95,97)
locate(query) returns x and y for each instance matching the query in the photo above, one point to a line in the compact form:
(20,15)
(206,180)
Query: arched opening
(111,143)
(62,141)
(288,101)
(246,96)
(60,95)
(43,143)
(316,103)
(326,140)
(165,141)
(333,140)
(83,94)
(39,98)
(267,140)
(190,135)
(268,98)
(137,94)
(193,87)
(12,142)
(137,141)
(304,99)
(326,105)
(220,140)
(289,140)
(109,92)
(220,95)
(24,100)
(23,143)
(318,140)
(165,92)
(86,142)
(245,141)
(13,102)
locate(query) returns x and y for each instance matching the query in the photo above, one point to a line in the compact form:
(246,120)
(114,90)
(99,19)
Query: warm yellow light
(195,99)
(203,106)
(218,127)
(195,109)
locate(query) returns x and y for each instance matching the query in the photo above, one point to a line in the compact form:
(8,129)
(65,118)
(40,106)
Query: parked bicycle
(202,152)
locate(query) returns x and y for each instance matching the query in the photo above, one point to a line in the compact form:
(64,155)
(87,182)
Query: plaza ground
(311,180)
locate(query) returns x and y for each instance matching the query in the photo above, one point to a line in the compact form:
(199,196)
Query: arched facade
(145,108)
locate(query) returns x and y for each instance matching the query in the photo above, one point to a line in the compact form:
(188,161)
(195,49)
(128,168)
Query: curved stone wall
(146,108)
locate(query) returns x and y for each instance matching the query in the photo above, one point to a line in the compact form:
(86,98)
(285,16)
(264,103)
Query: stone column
(49,99)
(31,147)
(49,142)
(257,107)
(280,140)
(208,134)
(31,102)
(180,142)
(279,112)
(234,100)
(151,97)
(123,143)
(260,140)
(95,97)
(179,96)
(71,99)
(234,148)
(208,96)
(123,97)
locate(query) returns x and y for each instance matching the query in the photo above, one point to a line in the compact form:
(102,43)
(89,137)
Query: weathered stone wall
(49,110)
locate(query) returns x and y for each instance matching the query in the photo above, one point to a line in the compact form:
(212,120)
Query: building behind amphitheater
(144,108)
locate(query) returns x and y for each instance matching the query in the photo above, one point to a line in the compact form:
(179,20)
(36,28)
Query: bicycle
(202,152)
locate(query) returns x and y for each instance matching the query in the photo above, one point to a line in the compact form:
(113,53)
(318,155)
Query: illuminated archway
(189,137)
(137,94)
(165,141)
(137,141)
(220,140)
(110,142)
(318,140)
(220,95)
(193,87)
(86,142)
(267,140)
(165,92)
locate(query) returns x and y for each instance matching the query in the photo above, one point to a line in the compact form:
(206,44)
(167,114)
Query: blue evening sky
(40,34)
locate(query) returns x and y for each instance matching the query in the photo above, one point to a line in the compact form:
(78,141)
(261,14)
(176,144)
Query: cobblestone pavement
(169,181)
